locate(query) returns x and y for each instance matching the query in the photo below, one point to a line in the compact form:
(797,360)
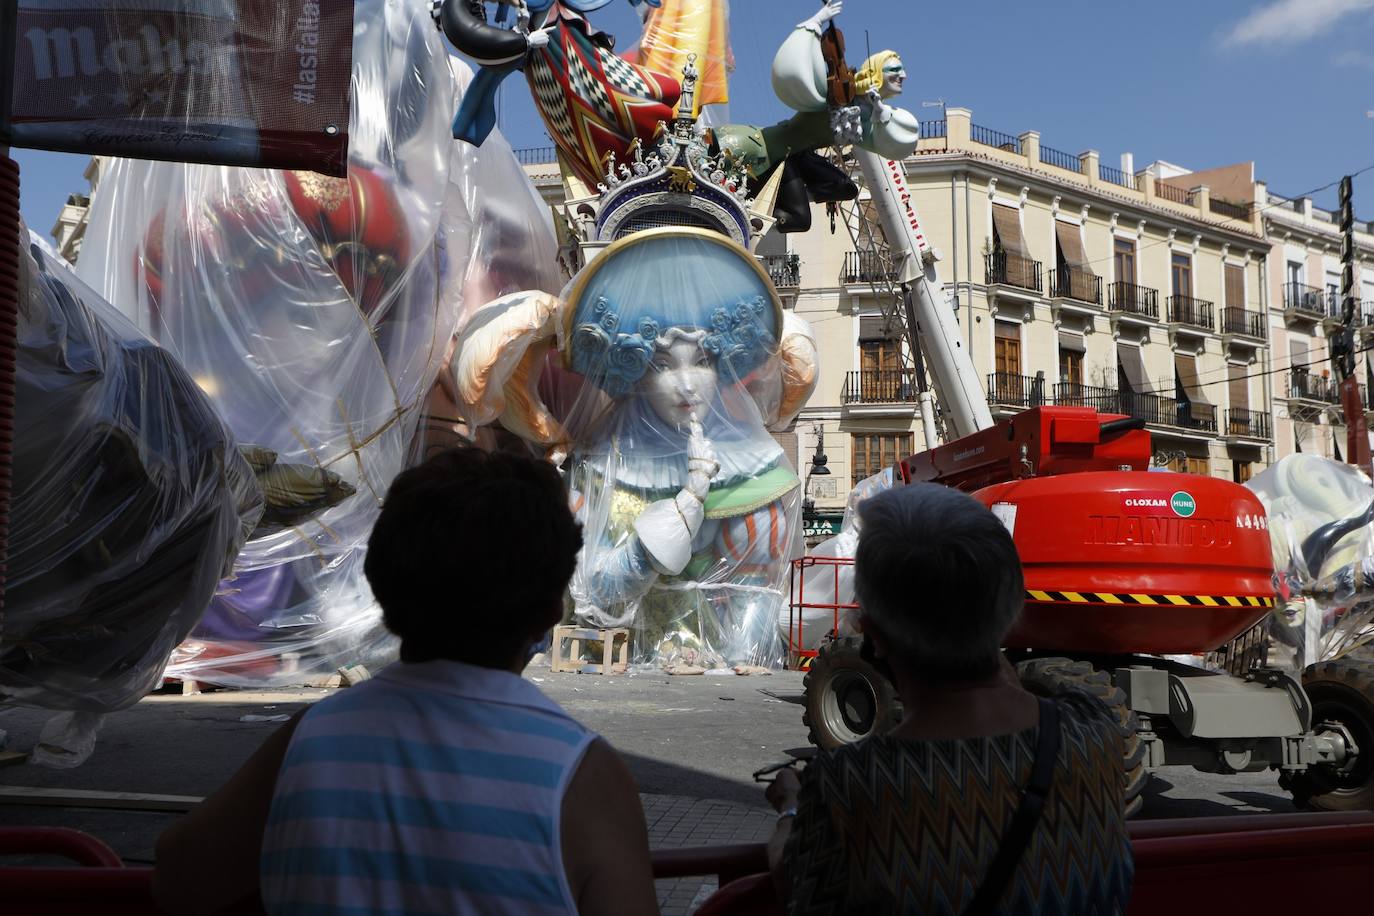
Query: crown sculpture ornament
(676,182)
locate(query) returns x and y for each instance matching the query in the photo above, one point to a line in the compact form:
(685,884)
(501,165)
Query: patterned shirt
(433,788)
(893,825)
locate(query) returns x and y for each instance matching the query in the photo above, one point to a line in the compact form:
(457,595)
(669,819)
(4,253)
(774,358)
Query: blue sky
(1286,83)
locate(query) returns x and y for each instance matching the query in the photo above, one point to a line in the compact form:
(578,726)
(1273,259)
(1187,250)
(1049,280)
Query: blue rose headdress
(648,289)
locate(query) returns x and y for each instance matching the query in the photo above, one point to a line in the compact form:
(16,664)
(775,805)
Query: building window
(1123,258)
(1294,272)
(1071,367)
(874,452)
(1181,273)
(1241,471)
(1188,464)
(1007,348)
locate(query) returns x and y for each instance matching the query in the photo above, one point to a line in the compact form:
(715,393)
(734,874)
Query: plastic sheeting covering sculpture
(676,358)
(130,502)
(316,313)
(1321,525)
(827,584)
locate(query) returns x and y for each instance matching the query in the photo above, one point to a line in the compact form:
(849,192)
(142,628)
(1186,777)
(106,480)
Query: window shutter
(1007,221)
(1235,286)
(1186,367)
(1239,388)
(1133,366)
(1070,244)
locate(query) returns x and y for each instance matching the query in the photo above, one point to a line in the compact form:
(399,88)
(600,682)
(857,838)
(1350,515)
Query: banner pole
(9,283)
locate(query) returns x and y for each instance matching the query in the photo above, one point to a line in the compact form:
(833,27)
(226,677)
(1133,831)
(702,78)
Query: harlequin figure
(594,104)
(690,508)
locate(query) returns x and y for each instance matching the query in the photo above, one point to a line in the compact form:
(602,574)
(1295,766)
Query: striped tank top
(432,788)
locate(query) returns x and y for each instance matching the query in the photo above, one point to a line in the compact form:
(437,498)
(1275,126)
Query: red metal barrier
(797,656)
(81,848)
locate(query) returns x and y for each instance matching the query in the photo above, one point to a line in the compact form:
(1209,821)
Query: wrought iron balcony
(1196,313)
(1013,270)
(1304,386)
(1304,299)
(1248,424)
(1016,390)
(879,386)
(1076,283)
(783,269)
(1152,408)
(867,267)
(1133,299)
(1239,321)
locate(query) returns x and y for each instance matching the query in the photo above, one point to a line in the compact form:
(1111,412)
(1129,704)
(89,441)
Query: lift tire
(1341,690)
(846,697)
(1049,677)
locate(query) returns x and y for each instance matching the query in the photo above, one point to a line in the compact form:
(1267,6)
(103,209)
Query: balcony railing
(1196,313)
(1250,424)
(1076,283)
(1016,390)
(1013,270)
(536,155)
(1239,321)
(1060,159)
(933,129)
(1152,408)
(1309,300)
(995,138)
(1169,192)
(1228,209)
(879,386)
(1304,386)
(1115,176)
(866,267)
(1133,299)
(783,269)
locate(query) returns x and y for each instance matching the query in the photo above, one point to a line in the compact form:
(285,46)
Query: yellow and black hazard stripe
(804,663)
(1151,600)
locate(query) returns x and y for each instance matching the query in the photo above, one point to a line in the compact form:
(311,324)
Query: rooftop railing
(536,155)
(1115,176)
(1175,194)
(1060,159)
(1228,209)
(989,137)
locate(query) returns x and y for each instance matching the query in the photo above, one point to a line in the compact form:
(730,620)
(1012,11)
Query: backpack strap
(1027,816)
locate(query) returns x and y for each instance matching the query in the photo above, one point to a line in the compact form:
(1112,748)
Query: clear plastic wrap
(1321,524)
(317,313)
(690,508)
(826,584)
(130,502)
(679,29)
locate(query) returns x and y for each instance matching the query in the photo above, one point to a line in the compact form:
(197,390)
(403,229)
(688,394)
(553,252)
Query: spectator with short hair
(447,783)
(984,799)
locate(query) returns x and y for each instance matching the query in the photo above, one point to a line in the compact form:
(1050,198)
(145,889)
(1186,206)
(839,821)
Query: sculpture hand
(702,463)
(540,37)
(823,15)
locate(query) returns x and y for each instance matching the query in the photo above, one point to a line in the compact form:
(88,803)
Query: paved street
(691,742)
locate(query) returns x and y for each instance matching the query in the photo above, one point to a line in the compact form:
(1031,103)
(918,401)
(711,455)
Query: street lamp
(818,468)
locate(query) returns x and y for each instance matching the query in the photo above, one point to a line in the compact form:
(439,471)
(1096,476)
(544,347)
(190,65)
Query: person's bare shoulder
(604,840)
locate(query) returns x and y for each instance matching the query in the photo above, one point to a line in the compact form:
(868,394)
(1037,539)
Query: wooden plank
(87,798)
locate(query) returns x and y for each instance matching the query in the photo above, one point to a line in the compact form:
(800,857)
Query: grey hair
(940,577)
